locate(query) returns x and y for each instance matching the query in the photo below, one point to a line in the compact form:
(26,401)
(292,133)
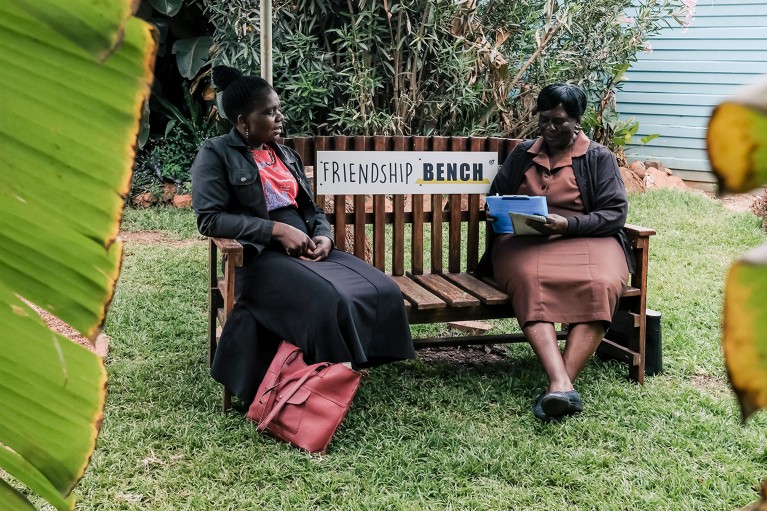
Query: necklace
(260,163)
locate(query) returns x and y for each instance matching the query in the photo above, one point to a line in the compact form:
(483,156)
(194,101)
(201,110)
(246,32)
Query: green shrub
(168,159)
(415,67)
(438,66)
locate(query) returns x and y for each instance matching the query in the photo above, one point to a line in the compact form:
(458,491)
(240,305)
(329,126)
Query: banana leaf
(737,148)
(75,77)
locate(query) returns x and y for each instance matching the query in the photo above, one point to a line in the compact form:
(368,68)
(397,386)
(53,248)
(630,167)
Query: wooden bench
(437,285)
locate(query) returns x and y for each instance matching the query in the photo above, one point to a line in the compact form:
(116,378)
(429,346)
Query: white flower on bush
(689,13)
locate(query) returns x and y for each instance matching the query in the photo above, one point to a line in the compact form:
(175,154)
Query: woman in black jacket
(293,285)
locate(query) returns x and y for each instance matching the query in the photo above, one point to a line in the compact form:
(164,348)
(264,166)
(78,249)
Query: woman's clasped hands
(298,244)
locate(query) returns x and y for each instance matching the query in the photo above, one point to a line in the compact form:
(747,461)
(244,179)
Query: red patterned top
(280,187)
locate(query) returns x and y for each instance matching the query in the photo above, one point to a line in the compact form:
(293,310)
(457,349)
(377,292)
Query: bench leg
(636,374)
(226,399)
(212,334)
(625,342)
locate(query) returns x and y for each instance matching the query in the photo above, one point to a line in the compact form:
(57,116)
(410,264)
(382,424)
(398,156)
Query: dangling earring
(247,137)
(577,128)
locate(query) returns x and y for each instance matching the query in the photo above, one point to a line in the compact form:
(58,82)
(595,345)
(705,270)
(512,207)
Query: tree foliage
(413,67)
(436,66)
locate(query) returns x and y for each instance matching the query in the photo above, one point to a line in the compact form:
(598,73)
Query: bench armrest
(231,248)
(636,231)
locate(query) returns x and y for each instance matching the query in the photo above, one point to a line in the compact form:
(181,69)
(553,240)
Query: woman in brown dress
(577,270)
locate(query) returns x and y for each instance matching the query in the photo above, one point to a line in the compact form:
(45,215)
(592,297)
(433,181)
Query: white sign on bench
(404,172)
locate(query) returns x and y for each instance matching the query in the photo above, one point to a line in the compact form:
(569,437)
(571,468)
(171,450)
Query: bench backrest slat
(436,233)
(472,242)
(398,236)
(454,233)
(454,205)
(379,232)
(416,258)
(351,214)
(308,145)
(339,213)
(359,226)
(472,235)
(416,201)
(398,229)
(438,144)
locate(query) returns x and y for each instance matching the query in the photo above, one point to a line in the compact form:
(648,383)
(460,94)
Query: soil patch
(739,202)
(470,356)
(711,385)
(100,347)
(155,238)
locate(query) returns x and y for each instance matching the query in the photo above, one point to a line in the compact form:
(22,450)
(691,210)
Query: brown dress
(559,279)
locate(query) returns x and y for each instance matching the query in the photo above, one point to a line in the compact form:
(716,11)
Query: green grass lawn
(434,436)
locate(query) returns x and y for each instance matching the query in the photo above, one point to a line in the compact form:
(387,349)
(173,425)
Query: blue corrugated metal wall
(673,89)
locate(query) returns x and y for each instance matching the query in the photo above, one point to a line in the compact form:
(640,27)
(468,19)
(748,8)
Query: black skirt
(340,309)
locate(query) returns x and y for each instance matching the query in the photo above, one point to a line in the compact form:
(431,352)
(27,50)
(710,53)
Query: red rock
(168,191)
(653,163)
(182,201)
(676,182)
(638,168)
(660,179)
(143,200)
(658,165)
(631,181)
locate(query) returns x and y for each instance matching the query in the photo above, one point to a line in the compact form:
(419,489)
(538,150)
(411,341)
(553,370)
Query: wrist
(278,230)
(569,225)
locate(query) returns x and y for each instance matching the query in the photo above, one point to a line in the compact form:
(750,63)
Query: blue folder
(501,205)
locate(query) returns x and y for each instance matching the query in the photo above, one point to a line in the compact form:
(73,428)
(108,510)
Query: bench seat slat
(417,295)
(454,296)
(488,295)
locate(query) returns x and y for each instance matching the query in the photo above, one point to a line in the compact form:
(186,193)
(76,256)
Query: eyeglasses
(557,122)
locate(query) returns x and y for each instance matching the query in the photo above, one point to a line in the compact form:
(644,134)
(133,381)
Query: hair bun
(223,76)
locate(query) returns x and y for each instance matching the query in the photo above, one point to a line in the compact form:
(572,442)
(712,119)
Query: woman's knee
(591,329)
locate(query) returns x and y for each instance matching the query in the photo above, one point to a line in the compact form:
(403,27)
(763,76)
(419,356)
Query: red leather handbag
(303,404)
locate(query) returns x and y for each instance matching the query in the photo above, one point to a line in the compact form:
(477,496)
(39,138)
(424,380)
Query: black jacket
(599,181)
(228,197)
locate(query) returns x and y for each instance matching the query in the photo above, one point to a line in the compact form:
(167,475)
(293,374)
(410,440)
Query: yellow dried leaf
(737,140)
(744,337)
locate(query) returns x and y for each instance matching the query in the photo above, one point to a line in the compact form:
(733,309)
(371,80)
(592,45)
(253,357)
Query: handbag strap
(308,373)
(270,401)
